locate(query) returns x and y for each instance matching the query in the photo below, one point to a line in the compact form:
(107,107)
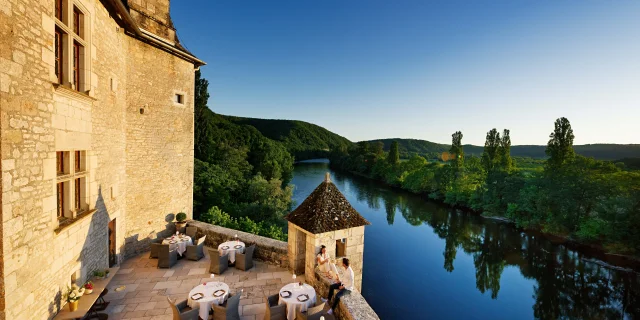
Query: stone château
(96,102)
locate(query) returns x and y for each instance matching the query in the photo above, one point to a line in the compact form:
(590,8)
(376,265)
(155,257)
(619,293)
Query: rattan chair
(182,312)
(229,309)
(191,232)
(274,311)
(218,263)
(167,257)
(196,251)
(244,261)
(313,313)
(154,250)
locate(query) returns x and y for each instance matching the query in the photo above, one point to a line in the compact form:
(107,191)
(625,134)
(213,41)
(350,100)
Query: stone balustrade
(351,307)
(268,250)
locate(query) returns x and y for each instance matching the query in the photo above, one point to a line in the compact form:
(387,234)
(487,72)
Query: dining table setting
(231,247)
(297,296)
(178,242)
(203,296)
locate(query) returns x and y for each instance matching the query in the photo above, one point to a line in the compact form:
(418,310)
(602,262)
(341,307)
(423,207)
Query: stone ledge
(268,250)
(352,306)
(70,222)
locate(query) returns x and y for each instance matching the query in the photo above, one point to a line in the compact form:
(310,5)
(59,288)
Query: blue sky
(369,69)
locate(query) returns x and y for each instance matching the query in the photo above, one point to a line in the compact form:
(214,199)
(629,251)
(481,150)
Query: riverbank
(595,250)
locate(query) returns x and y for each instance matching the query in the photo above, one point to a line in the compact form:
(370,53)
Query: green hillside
(408,147)
(304,140)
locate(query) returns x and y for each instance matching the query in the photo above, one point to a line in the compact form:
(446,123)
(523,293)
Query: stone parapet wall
(351,307)
(268,250)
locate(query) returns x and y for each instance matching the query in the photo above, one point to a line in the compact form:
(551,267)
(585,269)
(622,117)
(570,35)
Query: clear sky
(369,69)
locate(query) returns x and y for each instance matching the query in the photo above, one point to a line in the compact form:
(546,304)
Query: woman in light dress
(324,260)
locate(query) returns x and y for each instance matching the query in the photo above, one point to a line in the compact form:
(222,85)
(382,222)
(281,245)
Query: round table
(180,244)
(292,302)
(231,247)
(205,302)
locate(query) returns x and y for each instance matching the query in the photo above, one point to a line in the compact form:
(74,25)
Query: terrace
(146,287)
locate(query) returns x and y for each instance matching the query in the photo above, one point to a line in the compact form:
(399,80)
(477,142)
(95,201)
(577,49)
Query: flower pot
(73,305)
(180,225)
(87,291)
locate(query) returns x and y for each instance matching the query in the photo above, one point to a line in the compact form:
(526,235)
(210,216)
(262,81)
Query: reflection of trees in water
(567,286)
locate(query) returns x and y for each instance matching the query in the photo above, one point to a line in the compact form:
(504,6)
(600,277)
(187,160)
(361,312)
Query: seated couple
(344,284)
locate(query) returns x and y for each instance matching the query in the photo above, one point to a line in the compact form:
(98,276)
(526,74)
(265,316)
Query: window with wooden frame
(70,45)
(59,50)
(60,199)
(71,184)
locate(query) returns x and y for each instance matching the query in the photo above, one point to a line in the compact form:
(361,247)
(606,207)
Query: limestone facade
(132,139)
(304,246)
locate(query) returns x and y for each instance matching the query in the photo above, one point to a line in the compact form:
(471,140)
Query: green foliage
(240,171)
(181,217)
(568,194)
(432,150)
(393,157)
(218,217)
(301,139)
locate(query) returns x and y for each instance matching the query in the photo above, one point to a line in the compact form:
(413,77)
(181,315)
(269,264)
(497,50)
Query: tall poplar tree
(394,155)
(560,145)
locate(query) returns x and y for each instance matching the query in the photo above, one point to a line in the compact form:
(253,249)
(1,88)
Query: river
(423,260)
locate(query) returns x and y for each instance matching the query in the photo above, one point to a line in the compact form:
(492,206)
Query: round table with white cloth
(292,302)
(207,290)
(179,243)
(231,247)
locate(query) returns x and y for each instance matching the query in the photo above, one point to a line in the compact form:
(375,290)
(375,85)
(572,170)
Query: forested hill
(304,140)
(408,147)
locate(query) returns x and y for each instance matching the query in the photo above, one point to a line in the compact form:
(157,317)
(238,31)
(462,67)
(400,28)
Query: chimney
(153,16)
(327,177)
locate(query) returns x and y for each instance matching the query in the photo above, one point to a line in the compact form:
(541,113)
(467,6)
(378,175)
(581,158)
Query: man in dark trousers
(344,285)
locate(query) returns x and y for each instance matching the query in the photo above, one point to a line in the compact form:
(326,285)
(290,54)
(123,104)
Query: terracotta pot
(180,225)
(73,305)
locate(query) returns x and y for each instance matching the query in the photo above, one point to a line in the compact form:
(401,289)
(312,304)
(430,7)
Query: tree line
(569,195)
(241,178)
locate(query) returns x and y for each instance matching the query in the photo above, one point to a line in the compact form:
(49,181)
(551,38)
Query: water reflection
(565,285)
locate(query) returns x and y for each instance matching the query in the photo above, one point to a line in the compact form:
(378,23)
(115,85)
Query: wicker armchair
(274,311)
(229,309)
(218,263)
(196,251)
(167,257)
(182,312)
(191,232)
(244,261)
(154,250)
(313,313)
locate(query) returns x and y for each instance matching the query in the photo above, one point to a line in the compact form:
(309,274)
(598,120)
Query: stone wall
(351,307)
(140,167)
(269,250)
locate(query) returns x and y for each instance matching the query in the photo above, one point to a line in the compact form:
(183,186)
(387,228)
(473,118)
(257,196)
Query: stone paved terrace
(146,287)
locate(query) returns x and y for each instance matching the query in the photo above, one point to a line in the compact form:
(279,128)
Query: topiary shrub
(181,217)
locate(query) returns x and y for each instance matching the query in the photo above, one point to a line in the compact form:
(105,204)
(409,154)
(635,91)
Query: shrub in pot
(181,220)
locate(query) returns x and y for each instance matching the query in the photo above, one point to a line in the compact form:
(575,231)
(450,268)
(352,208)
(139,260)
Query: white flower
(81,291)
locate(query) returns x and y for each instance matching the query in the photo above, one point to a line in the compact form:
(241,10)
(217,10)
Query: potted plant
(72,296)
(99,274)
(181,220)
(88,287)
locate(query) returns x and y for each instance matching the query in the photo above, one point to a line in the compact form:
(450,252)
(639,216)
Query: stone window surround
(184,98)
(68,178)
(68,39)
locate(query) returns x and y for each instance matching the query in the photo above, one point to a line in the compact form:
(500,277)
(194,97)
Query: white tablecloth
(230,248)
(292,302)
(208,299)
(180,245)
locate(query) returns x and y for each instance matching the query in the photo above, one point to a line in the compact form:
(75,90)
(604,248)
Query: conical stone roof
(325,210)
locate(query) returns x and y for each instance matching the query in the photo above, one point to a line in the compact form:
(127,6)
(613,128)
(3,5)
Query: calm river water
(425,261)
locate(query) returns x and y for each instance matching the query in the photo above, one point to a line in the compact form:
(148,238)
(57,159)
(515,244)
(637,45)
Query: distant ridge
(304,140)
(600,151)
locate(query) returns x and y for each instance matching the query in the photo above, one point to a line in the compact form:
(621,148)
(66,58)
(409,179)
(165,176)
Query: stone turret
(325,218)
(153,16)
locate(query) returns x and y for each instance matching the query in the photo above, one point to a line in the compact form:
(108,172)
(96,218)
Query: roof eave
(132,27)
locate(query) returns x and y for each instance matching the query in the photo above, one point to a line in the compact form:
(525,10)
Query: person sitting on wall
(344,285)
(324,260)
